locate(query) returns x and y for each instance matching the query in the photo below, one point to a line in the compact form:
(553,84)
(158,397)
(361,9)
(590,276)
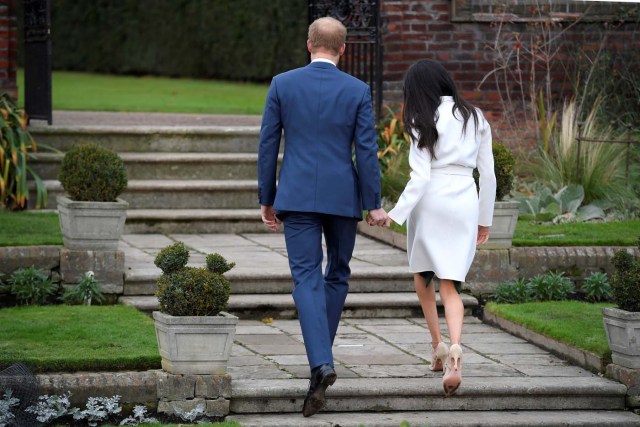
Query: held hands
(269,218)
(483,235)
(378,217)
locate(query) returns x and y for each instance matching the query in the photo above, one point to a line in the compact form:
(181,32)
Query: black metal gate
(363,55)
(37,59)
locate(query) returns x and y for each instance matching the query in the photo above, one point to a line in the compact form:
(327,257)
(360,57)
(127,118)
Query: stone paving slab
(445,419)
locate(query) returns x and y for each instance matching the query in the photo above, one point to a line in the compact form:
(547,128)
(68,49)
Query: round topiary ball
(216,263)
(193,291)
(172,258)
(93,173)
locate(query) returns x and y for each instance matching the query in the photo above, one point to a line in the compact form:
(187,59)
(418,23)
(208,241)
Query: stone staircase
(197,179)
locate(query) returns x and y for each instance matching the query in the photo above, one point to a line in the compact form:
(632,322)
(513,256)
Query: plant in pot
(194,334)
(92,216)
(622,324)
(505,213)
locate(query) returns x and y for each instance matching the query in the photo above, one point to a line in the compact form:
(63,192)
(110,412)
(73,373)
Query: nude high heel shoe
(438,357)
(452,370)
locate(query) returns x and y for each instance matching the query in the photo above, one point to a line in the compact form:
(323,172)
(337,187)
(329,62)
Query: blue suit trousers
(319,297)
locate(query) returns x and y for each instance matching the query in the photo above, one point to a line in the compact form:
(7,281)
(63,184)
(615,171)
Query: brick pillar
(8,47)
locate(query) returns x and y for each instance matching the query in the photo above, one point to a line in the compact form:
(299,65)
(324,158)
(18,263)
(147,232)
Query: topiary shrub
(503,163)
(93,173)
(172,258)
(191,291)
(217,264)
(625,282)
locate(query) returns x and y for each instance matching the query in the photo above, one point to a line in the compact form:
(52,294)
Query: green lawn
(575,323)
(99,92)
(623,233)
(29,228)
(78,338)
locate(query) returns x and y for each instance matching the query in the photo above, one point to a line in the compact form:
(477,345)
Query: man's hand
(378,217)
(269,218)
(483,235)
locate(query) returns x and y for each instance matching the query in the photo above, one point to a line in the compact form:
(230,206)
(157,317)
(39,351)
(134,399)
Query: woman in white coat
(446,216)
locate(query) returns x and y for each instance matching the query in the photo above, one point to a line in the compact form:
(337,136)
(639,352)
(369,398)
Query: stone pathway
(383,363)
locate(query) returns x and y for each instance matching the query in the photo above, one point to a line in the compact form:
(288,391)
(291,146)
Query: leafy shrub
(16,145)
(86,291)
(503,163)
(193,291)
(596,287)
(31,286)
(90,172)
(601,166)
(190,291)
(393,153)
(550,287)
(563,206)
(216,263)
(503,166)
(515,292)
(172,258)
(625,282)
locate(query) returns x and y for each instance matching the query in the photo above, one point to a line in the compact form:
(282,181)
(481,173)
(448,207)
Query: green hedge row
(226,39)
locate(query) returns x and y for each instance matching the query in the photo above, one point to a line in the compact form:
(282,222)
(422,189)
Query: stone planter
(505,218)
(195,345)
(623,335)
(91,225)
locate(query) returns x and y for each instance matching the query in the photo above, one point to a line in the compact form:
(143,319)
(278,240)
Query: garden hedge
(224,39)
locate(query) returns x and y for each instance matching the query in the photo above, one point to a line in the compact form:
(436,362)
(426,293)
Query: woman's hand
(483,235)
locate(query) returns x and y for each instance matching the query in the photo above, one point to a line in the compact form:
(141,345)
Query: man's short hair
(327,33)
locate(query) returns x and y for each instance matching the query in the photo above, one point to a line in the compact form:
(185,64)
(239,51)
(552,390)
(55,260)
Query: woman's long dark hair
(425,82)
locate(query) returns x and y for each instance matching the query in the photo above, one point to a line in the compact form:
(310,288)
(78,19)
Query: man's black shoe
(321,377)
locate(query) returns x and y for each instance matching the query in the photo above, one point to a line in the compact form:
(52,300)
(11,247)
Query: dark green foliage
(193,291)
(226,39)
(190,291)
(515,292)
(31,286)
(216,263)
(85,292)
(596,287)
(503,168)
(172,258)
(503,165)
(93,173)
(625,282)
(550,286)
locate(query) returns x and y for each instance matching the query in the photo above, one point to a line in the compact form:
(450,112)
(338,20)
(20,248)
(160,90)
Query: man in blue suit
(326,115)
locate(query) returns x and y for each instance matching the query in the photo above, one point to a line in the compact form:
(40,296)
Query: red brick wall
(419,29)
(8,47)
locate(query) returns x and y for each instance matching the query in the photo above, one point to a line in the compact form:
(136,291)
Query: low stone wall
(493,266)
(155,389)
(66,266)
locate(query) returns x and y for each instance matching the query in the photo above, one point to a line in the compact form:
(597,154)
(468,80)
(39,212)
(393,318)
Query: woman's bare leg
(453,309)
(427,297)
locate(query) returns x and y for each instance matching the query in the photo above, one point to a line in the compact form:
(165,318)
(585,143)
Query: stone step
(147,138)
(374,279)
(425,394)
(587,418)
(281,306)
(187,221)
(179,194)
(190,166)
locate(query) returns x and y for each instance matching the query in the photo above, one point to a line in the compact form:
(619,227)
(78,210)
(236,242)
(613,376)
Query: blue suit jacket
(324,113)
